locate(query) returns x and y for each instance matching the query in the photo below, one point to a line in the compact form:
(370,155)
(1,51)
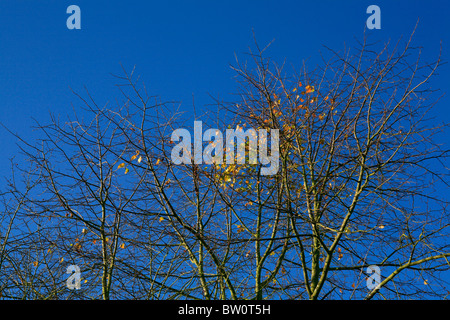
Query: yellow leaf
(161,219)
(294,90)
(35,263)
(126,170)
(62,260)
(425,282)
(139,159)
(309,89)
(381,227)
(158,161)
(122,246)
(121,165)
(133,157)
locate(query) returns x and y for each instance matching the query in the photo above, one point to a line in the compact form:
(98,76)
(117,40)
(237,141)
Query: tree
(358,163)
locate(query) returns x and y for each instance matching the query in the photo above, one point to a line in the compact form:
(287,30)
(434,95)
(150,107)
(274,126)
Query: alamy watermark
(74,20)
(256,141)
(74,280)
(374,280)
(374,21)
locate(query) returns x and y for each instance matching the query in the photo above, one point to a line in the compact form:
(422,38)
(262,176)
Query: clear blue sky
(179,47)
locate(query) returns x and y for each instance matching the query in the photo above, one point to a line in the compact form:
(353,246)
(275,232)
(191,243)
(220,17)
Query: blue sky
(180,48)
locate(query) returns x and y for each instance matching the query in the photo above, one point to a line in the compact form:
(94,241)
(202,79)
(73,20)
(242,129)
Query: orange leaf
(309,89)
